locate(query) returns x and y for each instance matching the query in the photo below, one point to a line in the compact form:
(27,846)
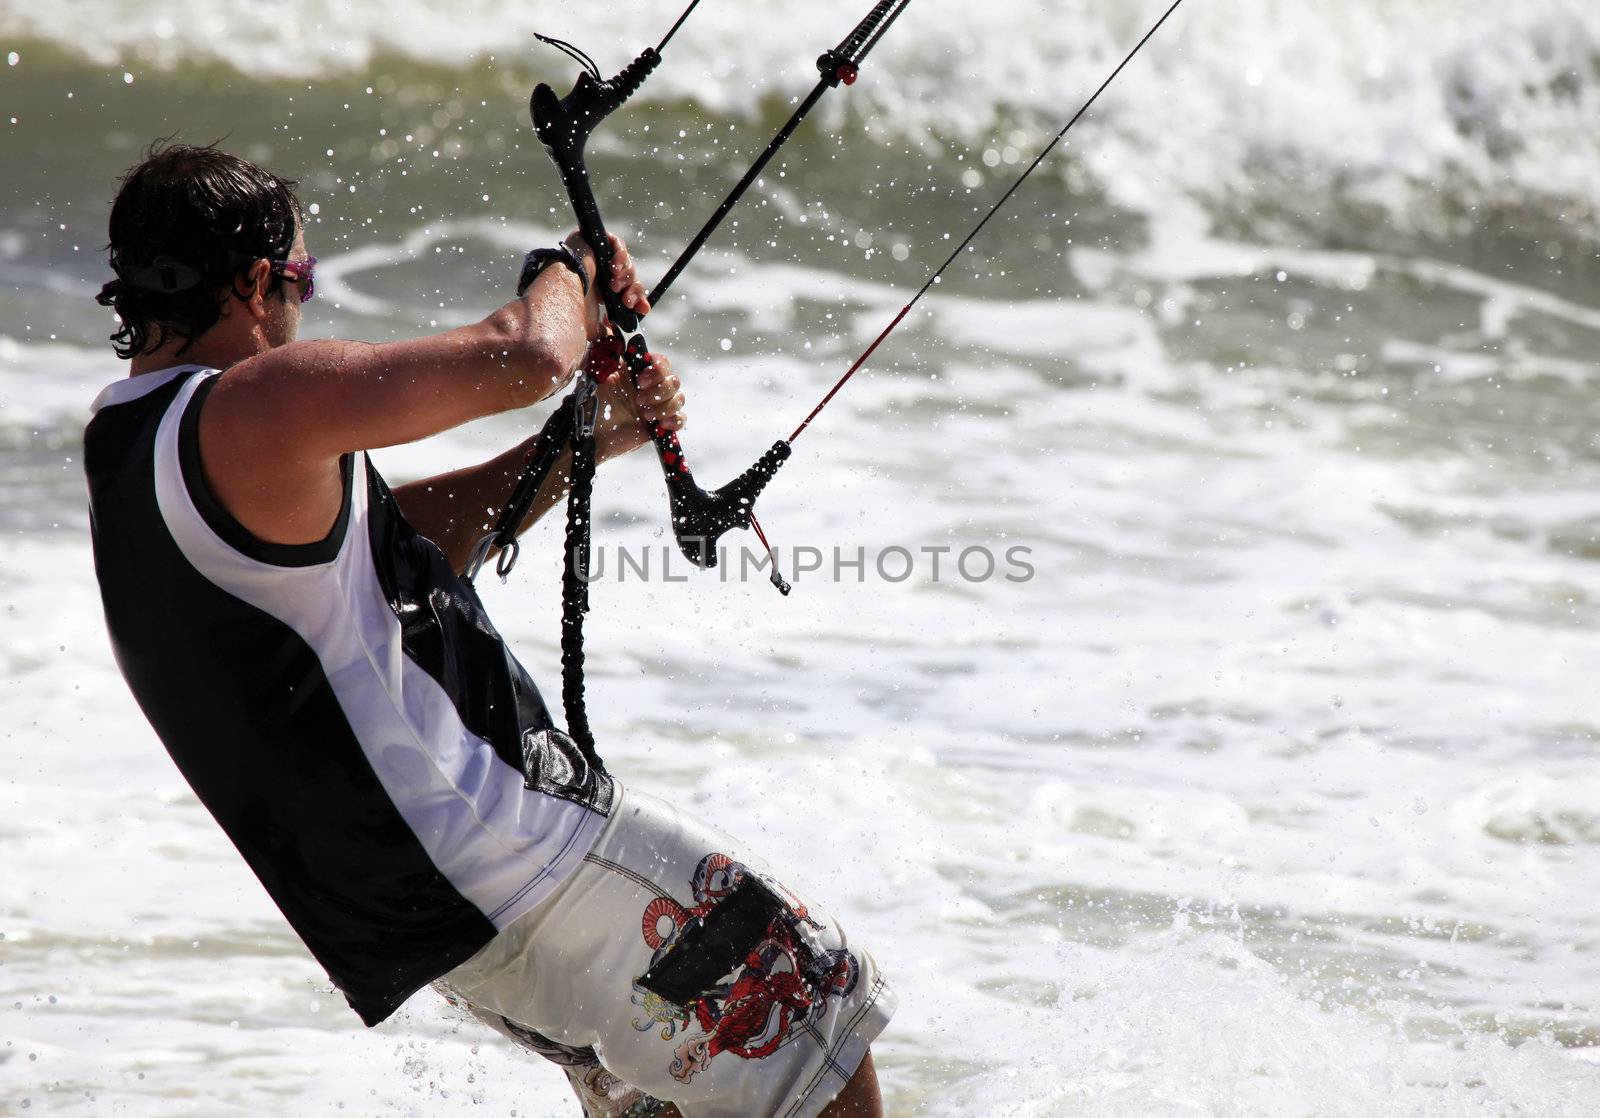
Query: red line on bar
(860,361)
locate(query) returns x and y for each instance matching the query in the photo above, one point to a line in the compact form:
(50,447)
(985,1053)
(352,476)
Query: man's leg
(858,1099)
(798,1007)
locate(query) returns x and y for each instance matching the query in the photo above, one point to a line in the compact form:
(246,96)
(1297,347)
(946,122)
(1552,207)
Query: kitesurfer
(300,638)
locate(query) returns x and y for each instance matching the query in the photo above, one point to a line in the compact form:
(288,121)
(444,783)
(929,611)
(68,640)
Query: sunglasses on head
(299,271)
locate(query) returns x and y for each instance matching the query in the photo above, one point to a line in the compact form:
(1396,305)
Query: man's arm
(456,509)
(273,429)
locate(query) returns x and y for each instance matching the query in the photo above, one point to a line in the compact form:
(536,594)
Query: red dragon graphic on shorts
(783,984)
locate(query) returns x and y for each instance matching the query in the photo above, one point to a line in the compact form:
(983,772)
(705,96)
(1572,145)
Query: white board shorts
(778,1033)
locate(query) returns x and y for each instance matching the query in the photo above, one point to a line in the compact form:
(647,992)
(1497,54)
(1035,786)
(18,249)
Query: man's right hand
(624,281)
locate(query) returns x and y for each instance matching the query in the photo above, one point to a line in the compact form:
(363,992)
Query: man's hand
(628,412)
(624,281)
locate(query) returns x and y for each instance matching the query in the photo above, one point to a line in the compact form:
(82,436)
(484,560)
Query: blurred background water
(1272,792)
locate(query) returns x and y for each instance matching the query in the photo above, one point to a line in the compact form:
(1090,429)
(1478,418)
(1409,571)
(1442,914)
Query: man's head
(197,234)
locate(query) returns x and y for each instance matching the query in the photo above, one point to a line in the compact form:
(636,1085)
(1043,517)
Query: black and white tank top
(344,709)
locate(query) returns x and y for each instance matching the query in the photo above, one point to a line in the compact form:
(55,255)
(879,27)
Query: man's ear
(257,280)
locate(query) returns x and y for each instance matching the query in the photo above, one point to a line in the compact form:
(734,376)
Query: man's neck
(217,348)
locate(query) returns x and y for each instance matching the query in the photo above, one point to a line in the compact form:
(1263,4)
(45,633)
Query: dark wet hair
(187,223)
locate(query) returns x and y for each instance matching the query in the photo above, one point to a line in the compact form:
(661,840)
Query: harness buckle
(586,407)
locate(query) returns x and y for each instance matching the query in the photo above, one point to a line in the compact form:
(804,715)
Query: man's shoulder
(126,416)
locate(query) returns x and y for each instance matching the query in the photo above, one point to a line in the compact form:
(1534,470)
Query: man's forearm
(455,510)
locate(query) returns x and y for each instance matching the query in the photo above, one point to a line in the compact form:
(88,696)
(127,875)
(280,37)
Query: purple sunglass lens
(301,271)
(309,274)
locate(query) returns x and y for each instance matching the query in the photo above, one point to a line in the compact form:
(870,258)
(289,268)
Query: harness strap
(569,426)
(575,572)
(554,437)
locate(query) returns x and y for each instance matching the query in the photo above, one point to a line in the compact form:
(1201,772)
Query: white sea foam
(1284,750)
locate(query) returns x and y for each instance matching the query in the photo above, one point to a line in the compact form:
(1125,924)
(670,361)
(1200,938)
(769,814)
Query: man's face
(283,314)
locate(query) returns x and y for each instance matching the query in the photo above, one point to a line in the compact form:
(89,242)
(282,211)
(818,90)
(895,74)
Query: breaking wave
(1427,115)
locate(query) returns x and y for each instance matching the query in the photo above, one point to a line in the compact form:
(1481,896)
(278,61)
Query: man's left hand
(624,281)
(629,411)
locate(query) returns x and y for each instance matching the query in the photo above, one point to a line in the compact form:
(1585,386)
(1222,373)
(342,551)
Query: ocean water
(1267,783)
